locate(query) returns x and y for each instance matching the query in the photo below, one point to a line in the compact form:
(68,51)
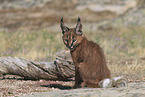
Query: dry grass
(123,47)
(30,45)
(132,68)
(125,51)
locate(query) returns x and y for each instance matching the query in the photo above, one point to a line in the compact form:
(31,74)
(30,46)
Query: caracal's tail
(113,82)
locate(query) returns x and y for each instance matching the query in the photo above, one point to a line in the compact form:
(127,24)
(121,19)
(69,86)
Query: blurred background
(38,14)
(30,29)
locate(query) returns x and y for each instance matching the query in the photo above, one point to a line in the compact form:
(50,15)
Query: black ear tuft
(63,27)
(62,19)
(79,20)
(79,27)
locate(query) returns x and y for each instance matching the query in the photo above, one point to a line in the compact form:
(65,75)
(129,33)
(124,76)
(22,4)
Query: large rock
(117,7)
(134,17)
(16,4)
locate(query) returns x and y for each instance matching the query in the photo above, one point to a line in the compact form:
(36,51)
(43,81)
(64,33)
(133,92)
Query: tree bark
(60,69)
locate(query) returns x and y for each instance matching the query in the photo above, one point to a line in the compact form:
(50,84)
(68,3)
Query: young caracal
(88,58)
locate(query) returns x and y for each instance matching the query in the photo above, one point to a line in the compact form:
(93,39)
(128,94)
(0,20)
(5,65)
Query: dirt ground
(17,87)
(133,90)
(13,85)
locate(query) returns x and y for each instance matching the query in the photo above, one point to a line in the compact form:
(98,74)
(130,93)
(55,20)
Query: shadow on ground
(60,86)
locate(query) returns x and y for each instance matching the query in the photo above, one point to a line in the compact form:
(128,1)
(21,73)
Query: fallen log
(60,69)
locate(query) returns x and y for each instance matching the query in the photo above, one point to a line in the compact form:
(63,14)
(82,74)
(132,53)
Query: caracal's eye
(65,40)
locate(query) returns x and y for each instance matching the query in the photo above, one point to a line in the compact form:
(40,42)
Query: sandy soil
(133,90)
(17,86)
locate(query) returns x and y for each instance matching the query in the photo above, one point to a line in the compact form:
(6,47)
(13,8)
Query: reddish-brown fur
(90,64)
(89,60)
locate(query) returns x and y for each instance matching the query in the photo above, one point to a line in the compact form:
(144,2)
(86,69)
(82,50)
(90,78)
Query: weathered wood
(61,68)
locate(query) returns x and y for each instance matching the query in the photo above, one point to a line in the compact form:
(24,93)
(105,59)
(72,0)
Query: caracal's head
(72,37)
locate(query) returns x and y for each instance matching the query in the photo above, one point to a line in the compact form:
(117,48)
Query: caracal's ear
(63,27)
(79,27)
